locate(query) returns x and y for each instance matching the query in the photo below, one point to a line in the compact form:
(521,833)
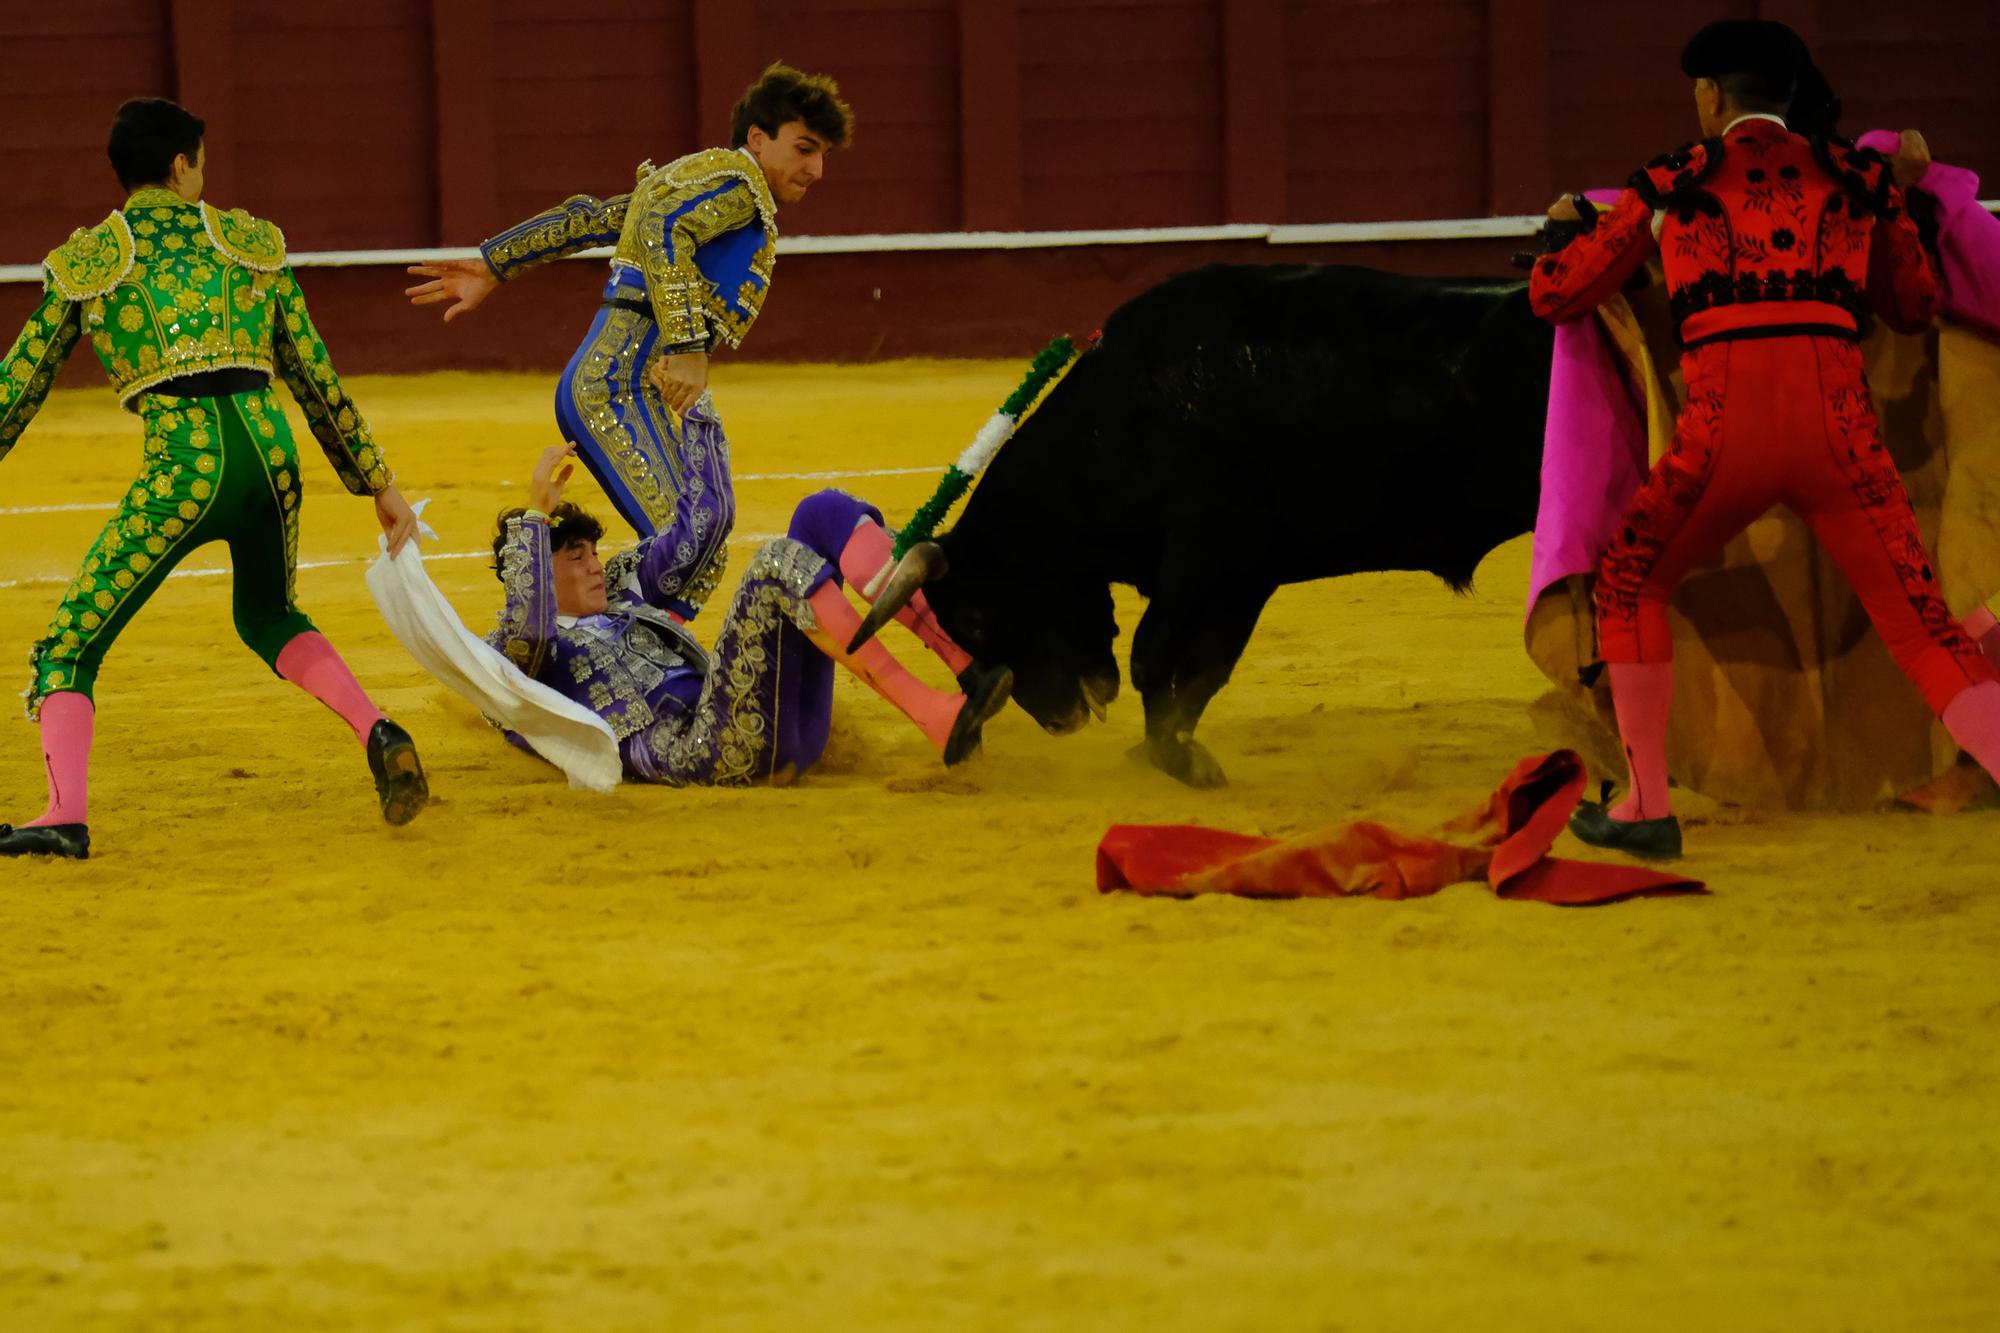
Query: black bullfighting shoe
(1658,839)
(399,774)
(986,693)
(71,840)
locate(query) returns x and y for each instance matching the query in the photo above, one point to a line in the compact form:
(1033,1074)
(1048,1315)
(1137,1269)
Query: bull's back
(1366,420)
(1315,334)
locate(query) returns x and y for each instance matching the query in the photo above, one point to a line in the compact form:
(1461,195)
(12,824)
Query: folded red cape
(1507,844)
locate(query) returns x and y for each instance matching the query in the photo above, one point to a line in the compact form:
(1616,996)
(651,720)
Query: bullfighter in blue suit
(694,245)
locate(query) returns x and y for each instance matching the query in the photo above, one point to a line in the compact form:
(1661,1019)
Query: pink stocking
(1984,626)
(865,553)
(1973,719)
(1644,695)
(310,663)
(934,711)
(68,723)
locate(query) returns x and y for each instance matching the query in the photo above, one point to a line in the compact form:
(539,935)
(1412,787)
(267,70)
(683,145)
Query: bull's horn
(924,562)
(1096,705)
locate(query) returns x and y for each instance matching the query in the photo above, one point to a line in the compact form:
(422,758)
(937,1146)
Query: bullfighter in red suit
(1777,248)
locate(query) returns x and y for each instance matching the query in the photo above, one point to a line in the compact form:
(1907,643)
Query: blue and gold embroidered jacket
(702,231)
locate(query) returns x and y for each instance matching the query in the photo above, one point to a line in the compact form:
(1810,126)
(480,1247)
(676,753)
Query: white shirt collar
(1756,115)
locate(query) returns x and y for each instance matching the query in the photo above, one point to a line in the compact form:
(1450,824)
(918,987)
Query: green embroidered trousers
(215,469)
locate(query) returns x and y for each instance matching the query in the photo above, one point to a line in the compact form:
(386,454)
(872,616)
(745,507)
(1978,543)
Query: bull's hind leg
(1183,652)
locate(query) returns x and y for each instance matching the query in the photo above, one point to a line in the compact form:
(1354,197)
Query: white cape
(565,733)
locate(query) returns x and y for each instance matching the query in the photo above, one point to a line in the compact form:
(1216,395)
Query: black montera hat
(1769,52)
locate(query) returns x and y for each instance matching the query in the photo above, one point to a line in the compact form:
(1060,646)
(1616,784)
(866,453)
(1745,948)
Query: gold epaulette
(251,242)
(93,260)
(712,165)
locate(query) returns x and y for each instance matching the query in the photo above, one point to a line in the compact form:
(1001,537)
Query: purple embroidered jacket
(632,665)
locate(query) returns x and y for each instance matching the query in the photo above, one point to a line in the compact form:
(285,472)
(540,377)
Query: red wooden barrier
(409,123)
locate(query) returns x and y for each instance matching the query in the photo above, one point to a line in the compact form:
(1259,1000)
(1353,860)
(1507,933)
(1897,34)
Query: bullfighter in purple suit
(756,707)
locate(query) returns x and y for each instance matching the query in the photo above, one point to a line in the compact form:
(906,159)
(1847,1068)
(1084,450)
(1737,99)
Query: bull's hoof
(1197,767)
(1183,760)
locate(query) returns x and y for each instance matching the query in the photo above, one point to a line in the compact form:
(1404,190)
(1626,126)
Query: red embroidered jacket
(1762,232)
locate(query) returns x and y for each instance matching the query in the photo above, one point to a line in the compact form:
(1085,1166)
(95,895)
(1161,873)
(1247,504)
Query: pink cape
(1594,453)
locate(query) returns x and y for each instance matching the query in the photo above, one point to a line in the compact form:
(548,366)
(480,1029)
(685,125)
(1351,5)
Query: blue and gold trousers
(658,478)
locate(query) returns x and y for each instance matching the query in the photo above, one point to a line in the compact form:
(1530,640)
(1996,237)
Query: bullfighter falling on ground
(756,708)
(1777,247)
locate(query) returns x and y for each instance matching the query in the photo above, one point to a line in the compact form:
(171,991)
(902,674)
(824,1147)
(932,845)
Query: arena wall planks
(463,102)
(989,114)
(561,126)
(393,124)
(1128,134)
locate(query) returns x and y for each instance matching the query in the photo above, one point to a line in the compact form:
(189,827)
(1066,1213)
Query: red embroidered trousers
(1782,421)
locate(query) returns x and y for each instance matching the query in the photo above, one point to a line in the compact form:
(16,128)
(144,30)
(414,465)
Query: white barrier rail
(917,242)
(1329,233)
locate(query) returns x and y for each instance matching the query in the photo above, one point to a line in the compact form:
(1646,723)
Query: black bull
(1239,428)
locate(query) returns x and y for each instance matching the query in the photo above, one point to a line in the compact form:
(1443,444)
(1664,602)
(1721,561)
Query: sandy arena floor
(871,1053)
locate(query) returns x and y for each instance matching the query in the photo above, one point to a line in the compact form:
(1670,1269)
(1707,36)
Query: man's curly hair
(568,526)
(782,95)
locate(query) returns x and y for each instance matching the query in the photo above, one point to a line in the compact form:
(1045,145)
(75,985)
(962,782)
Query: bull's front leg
(1153,652)
(1170,745)
(1182,654)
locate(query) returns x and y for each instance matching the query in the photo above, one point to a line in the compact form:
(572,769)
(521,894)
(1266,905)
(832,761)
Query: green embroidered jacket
(167,288)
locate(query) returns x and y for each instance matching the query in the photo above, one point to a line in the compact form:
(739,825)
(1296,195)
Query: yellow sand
(871,1053)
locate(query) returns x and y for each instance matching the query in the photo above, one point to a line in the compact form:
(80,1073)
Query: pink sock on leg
(864,555)
(1984,626)
(867,550)
(69,721)
(311,663)
(934,711)
(921,621)
(1644,695)
(1973,719)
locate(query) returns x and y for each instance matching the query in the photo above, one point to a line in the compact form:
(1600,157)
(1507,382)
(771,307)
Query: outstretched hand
(398,520)
(463,282)
(545,488)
